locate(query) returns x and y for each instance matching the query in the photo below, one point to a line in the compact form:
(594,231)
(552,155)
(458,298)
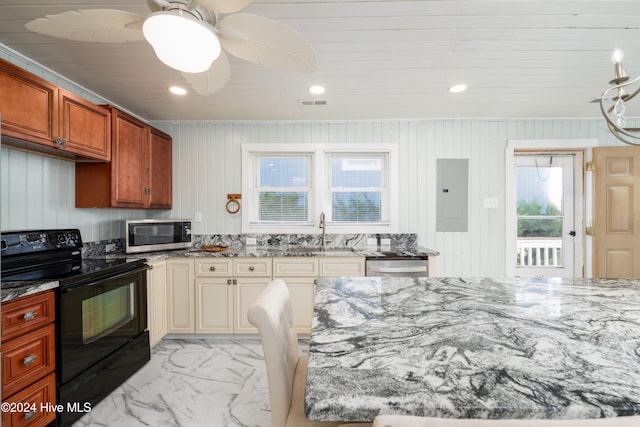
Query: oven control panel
(30,242)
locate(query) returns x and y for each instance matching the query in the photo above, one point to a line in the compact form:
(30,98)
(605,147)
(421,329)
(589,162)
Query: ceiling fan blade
(91,25)
(223,6)
(211,80)
(266,42)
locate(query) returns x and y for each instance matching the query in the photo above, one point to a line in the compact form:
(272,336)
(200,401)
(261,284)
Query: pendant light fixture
(182,39)
(618,98)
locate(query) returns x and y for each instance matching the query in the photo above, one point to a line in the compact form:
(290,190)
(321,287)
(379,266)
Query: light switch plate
(372,242)
(110,247)
(490,202)
(385,241)
(198,217)
(251,241)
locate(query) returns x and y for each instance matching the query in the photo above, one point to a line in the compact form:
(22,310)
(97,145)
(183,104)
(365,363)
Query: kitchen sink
(320,249)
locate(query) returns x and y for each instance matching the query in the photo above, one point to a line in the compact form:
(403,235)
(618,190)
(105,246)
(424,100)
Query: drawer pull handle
(212,268)
(251,268)
(29,360)
(29,315)
(29,415)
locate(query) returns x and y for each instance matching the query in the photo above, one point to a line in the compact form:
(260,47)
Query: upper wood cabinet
(38,115)
(139,174)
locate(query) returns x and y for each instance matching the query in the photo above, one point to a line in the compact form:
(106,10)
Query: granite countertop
(474,348)
(12,290)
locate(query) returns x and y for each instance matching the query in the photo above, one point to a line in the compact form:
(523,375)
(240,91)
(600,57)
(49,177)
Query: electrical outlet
(110,247)
(385,242)
(251,241)
(198,217)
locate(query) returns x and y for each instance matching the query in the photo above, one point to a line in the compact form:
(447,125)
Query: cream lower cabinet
(225,289)
(180,296)
(157,301)
(300,274)
(342,266)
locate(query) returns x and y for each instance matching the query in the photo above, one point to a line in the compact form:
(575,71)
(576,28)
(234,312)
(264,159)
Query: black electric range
(101,313)
(53,255)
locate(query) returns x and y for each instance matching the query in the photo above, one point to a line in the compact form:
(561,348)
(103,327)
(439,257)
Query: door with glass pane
(544,208)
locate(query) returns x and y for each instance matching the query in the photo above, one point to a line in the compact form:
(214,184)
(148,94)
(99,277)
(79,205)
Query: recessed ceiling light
(316,89)
(457,88)
(178,90)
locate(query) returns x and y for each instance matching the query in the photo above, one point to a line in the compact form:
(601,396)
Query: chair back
(411,421)
(271,313)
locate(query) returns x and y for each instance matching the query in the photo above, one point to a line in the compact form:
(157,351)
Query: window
(286,187)
(357,186)
(283,188)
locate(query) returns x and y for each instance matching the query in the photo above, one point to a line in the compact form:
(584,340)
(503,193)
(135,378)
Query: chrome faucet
(323,225)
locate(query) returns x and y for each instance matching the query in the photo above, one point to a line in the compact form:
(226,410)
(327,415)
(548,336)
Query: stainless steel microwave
(146,235)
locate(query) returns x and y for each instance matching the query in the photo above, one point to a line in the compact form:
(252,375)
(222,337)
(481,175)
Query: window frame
(319,188)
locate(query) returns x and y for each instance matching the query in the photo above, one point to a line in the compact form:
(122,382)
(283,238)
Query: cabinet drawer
(295,267)
(31,401)
(342,266)
(252,267)
(27,358)
(27,314)
(214,267)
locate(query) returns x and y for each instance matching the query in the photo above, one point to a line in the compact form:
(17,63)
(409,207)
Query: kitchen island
(474,348)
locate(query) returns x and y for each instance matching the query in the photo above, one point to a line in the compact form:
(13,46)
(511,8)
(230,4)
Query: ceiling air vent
(310,103)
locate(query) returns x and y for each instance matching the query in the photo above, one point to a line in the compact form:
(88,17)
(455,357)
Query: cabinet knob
(29,360)
(235,282)
(251,268)
(212,268)
(29,315)
(29,415)
(61,142)
(228,281)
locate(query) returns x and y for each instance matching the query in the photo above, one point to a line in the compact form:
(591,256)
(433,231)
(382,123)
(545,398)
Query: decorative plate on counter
(214,248)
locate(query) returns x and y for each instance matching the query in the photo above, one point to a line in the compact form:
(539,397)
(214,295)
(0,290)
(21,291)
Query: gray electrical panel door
(452,195)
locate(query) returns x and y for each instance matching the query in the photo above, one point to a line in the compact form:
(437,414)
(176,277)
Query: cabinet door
(159,170)
(180,297)
(342,266)
(85,127)
(247,290)
(157,301)
(129,175)
(214,305)
(302,292)
(29,106)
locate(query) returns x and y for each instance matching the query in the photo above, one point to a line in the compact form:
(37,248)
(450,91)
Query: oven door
(98,316)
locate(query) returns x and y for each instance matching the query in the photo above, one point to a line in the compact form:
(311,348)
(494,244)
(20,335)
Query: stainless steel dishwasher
(398,266)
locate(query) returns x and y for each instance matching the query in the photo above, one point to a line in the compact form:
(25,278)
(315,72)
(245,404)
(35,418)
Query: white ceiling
(378,59)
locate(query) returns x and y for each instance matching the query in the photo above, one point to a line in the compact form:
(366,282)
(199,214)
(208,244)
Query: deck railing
(536,252)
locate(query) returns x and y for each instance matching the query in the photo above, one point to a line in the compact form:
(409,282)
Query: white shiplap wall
(207,166)
(38,191)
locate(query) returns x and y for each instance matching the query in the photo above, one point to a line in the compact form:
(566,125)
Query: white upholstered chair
(271,313)
(411,421)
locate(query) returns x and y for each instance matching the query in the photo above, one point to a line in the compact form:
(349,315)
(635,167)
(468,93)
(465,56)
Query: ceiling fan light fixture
(182,41)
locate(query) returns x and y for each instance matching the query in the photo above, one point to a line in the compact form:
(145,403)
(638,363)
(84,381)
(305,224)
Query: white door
(544,204)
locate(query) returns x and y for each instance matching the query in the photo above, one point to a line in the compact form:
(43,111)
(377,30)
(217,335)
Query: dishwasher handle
(418,269)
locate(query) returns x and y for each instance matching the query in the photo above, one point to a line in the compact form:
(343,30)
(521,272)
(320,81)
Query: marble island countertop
(474,348)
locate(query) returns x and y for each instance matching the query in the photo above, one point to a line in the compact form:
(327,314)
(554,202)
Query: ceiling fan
(188,35)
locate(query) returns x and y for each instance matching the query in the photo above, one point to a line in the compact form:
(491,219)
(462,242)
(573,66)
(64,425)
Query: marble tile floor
(209,382)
